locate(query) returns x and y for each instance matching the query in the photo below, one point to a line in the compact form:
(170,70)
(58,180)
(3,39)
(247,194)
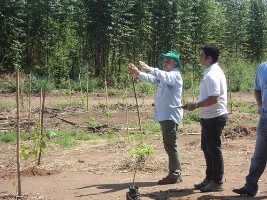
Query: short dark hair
(211,51)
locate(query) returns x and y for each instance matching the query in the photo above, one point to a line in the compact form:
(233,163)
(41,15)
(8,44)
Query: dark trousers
(211,147)
(169,133)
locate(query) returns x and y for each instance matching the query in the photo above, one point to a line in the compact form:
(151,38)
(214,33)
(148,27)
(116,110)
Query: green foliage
(152,127)
(241,106)
(68,139)
(38,143)
(38,83)
(107,112)
(60,40)
(4,105)
(145,88)
(256,30)
(65,141)
(141,152)
(8,136)
(64,103)
(93,84)
(240,75)
(91,122)
(190,117)
(8,83)
(137,137)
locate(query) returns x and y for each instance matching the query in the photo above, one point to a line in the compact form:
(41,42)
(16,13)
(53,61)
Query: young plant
(107,112)
(140,154)
(38,145)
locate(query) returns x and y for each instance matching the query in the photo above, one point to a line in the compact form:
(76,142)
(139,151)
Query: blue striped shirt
(260,84)
(168,95)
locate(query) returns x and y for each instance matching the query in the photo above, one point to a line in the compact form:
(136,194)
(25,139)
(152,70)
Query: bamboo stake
(70,95)
(21,93)
(18,132)
(87,90)
(81,89)
(42,101)
(107,101)
(230,92)
(137,106)
(127,116)
(30,93)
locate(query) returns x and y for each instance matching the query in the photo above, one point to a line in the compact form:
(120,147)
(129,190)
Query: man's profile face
(205,60)
(168,63)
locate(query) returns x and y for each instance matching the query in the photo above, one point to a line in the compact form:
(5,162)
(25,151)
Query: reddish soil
(103,170)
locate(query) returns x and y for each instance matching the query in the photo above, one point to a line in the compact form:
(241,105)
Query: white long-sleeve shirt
(168,95)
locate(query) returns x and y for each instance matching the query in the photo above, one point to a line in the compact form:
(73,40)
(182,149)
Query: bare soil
(102,170)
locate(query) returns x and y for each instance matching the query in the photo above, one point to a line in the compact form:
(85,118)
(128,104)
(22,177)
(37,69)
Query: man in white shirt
(213,114)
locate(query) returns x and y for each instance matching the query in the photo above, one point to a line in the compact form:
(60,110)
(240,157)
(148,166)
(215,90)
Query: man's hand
(133,70)
(144,66)
(191,106)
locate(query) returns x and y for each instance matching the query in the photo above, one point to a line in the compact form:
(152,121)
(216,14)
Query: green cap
(173,55)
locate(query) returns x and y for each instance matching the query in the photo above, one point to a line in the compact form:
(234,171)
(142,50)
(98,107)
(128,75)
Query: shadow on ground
(211,197)
(114,187)
(181,194)
(186,194)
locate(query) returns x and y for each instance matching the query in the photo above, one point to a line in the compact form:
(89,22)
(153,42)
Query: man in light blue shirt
(167,110)
(259,158)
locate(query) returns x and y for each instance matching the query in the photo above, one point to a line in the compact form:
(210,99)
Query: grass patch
(190,117)
(243,106)
(151,127)
(4,105)
(8,136)
(137,137)
(67,139)
(64,103)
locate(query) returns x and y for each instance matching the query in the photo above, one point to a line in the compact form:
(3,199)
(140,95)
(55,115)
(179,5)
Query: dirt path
(78,181)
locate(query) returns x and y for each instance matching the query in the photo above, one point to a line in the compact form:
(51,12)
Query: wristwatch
(197,105)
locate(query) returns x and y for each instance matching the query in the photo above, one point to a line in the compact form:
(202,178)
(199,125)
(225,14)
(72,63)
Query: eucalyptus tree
(256,29)
(164,26)
(11,34)
(140,24)
(98,28)
(236,15)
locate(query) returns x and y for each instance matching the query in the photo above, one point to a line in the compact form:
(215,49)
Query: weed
(190,117)
(4,105)
(64,103)
(9,136)
(137,137)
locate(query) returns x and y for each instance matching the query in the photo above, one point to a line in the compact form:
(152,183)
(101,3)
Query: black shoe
(133,194)
(212,187)
(169,180)
(244,191)
(202,184)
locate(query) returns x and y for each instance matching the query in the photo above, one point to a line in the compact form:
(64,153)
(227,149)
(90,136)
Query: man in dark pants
(259,158)
(213,114)
(169,92)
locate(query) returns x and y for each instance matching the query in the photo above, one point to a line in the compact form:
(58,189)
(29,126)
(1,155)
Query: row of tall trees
(65,38)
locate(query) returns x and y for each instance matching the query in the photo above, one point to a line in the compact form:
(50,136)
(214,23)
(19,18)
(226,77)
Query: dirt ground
(103,170)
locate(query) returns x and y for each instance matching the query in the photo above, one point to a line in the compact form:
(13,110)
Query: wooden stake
(137,106)
(30,93)
(87,89)
(107,102)
(18,132)
(42,102)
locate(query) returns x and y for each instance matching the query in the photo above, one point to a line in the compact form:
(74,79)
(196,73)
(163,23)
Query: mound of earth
(235,132)
(28,172)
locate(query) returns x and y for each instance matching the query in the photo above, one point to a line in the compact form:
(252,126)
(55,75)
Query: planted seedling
(140,154)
